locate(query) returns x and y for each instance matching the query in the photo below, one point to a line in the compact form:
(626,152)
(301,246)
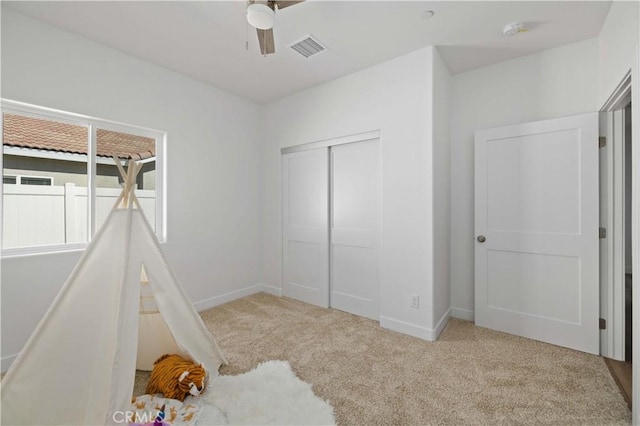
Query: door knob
(481,239)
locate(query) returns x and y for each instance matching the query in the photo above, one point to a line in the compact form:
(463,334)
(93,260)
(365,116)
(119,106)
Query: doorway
(628,292)
(616,193)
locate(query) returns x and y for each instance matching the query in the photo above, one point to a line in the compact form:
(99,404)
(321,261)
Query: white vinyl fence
(35,215)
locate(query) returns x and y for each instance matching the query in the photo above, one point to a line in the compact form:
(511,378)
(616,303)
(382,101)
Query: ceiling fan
(261,16)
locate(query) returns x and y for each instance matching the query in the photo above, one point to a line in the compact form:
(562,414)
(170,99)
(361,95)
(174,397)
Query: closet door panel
(355,228)
(305,216)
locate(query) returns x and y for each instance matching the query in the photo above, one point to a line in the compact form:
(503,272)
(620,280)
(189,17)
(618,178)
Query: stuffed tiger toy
(176,377)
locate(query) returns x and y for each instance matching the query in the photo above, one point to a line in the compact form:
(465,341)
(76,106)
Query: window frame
(15,177)
(92,124)
(20,177)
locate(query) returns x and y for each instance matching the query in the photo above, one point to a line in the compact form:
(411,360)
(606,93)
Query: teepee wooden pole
(138,167)
(118,200)
(116,160)
(129,184)
(127,196)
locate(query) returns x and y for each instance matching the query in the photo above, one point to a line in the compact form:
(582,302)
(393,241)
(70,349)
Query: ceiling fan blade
(265,37)
(286,3)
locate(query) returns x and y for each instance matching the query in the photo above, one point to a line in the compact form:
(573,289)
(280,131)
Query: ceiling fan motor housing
(260,16)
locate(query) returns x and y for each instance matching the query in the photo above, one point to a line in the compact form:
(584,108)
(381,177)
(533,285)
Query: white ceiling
(206,40)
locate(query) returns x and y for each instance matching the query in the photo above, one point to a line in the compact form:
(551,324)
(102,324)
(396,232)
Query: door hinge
(603,324)
(603,232)
(602,141)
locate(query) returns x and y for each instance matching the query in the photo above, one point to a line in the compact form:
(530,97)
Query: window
(27,180)
(60,180)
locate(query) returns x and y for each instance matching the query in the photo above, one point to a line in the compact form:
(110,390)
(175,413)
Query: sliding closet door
(306,226)
(355,228)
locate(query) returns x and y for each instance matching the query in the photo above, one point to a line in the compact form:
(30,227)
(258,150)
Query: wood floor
(628,316)
(622,370)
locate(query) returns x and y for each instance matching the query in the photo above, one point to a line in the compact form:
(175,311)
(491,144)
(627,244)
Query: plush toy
(176,377)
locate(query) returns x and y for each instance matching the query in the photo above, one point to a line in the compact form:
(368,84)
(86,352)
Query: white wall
(394,97)
(214,138)
(618,44)
(617,47)
(213,242)
(441,191)
(553,83)
(568,80)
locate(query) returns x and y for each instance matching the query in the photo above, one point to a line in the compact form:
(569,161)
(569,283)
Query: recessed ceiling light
(428,14)
(513,29)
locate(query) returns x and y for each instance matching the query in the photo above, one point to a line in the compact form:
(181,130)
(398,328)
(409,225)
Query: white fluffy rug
(270,394)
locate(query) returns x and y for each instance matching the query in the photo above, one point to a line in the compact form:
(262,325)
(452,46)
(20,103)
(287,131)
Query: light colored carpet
(372,376)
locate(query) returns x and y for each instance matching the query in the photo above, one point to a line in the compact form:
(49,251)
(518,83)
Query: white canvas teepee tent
(78,367)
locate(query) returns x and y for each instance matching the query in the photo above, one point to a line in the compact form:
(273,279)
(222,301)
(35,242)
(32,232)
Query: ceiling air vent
(308,46)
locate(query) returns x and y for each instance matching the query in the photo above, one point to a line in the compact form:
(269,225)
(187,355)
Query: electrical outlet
(415,302)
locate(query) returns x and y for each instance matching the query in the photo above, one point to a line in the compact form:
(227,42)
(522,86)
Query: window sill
(37,251)
(48,250)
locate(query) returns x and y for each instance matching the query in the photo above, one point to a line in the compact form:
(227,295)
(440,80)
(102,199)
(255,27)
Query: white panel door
(305,214)
(536,222)
(355,228)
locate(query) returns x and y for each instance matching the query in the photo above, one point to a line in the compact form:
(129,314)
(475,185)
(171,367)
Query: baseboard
(276,291)
(236,294)
(227,297)
(410,329)
(442,324)
(7,361)
(464,314)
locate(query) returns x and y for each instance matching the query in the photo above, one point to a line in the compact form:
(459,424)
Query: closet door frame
(373,135)
(358,137)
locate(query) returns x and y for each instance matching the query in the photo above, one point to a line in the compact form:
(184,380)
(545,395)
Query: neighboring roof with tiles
(50,135)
